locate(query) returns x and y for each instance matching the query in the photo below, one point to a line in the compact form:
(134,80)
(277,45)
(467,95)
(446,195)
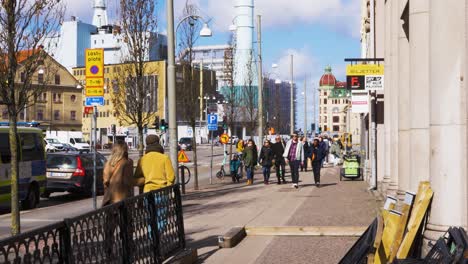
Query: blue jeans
(294,165)
(250,172)
(266,173)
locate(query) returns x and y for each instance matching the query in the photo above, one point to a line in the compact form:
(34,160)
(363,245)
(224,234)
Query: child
(234,166)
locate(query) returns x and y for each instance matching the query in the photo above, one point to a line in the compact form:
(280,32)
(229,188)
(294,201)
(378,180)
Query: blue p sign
(212,119)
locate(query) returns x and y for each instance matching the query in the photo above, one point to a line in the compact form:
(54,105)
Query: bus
(32,166)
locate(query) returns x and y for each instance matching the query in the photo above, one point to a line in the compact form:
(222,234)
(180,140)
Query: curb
(337,231)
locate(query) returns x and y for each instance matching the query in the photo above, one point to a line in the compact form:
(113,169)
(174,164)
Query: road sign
(94,60)
(98,100)
(212,121)
(182,156)
(224,138)
(374,82)
(94,91)
(88,110)
(94,82)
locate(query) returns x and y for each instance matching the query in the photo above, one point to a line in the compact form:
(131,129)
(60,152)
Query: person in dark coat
(317,157)
(280,164)
(266,159)
(307,152)
(249,156)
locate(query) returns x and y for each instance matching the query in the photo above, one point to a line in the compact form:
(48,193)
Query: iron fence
(147,228)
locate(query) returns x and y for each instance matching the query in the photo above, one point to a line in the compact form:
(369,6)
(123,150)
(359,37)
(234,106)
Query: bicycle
(221,173)
(184,170)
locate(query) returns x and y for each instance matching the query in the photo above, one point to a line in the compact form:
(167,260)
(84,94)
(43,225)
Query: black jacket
(266,157)
(318,153)
(307,150)
(278,150)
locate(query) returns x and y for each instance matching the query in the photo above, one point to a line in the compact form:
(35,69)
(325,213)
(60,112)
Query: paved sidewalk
(212,212)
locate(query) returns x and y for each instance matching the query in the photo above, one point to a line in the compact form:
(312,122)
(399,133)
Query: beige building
(334,102)
(107,116)
(59,107)
(425,46)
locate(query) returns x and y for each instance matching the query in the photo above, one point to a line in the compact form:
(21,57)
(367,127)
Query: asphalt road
(65,205)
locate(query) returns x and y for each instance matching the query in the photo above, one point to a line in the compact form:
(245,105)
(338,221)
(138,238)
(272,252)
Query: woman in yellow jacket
(154,170)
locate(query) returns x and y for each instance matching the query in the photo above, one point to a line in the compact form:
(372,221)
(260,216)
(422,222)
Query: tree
(23,26)
(133,100)
(250,98)
(229,90)
(188,95)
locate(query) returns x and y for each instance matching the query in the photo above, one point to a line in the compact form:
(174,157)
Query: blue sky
(317,32)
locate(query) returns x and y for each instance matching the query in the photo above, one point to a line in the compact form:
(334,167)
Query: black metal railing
(147,228)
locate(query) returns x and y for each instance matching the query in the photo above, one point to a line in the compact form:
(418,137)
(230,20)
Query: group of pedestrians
(296,153)
(154,171)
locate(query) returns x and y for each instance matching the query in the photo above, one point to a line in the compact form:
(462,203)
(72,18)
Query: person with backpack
(234,165)
(278,150)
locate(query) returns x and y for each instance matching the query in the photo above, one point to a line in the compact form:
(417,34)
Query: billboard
(365,77)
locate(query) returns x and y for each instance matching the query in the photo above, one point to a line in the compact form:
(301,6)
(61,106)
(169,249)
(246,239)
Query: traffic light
(163,125)
(225,127)
(113,129)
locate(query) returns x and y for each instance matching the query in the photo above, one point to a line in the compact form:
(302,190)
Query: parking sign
(212,121)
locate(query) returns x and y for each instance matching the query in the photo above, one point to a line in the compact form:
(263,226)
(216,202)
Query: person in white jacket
(294,155)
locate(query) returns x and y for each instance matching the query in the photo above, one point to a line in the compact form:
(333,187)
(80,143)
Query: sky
(317,32)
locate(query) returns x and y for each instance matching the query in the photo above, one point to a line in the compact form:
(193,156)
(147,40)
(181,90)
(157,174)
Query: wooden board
(354,231)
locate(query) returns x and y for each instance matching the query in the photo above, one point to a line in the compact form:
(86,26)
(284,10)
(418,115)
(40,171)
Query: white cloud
(304,64)
(342,15)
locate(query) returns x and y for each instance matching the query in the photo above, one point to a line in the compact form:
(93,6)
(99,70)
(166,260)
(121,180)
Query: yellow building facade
(107,116)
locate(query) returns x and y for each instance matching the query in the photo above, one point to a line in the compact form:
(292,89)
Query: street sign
(365,77)
(374,82)
(212,121)
(88,110)
(94,60)
(94,91)
(182,157)
(90,101)
(224,138)
(359,102)
(94,82)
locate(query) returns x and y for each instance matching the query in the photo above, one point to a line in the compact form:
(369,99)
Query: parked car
(233,140)
(67,147)
(73,172)
(186,143)
(52,144)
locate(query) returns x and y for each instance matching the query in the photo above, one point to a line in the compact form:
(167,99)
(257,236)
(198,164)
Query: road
(65,205)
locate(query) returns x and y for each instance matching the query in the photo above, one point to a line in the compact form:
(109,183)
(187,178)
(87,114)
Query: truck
(74,138)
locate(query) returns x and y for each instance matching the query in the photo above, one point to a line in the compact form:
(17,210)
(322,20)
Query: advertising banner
(359,102)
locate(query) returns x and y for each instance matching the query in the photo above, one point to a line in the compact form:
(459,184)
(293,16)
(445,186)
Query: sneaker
(296,186)
(318,184)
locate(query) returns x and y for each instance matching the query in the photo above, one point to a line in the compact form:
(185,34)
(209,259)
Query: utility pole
(260,81)
(305,106)
(291,130)
(171,87)
(201,101)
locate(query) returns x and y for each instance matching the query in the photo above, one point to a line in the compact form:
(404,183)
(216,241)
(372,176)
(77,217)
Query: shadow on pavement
(322,185)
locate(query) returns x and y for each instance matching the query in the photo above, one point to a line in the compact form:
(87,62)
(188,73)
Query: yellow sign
(364,69)
(224,138)
(94,91)
(94,63)
(95,82)
(182,157)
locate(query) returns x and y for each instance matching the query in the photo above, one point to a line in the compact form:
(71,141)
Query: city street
(63,205)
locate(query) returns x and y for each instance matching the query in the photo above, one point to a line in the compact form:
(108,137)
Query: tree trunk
(141,146)
(15,202)
(195,162)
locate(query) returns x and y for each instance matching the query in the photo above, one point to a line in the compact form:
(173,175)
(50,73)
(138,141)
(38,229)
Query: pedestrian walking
(307,152)
(234,165)
(278,151)
(294,155)
(117,177)
(266,159)
(249,155)
(154,170)
(317,157)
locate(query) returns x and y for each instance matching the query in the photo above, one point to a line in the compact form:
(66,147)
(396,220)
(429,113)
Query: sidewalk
(212,212)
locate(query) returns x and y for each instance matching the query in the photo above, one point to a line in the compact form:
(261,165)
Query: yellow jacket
(154,171)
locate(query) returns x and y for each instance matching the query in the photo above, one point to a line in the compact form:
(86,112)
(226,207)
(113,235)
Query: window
(336,119)
(73,98)
(57,79)
(324,110)
(325,93)
(336,128)
(40,114)
(22,114)
(325,101)
(57,98)
(40,78)
(95,41)
(107,115)
(23,77)
(73,115)
(325,128)
(31,147)
(57,115)
(325,119)
(44,96)
(5,148)
(5,114)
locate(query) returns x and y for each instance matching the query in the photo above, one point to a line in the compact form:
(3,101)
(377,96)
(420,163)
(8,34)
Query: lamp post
(291,129)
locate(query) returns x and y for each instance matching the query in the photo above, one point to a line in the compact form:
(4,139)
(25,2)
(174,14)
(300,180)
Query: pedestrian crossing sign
(182,156)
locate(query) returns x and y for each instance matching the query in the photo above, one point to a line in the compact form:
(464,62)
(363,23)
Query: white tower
(100,13)
(244,22)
